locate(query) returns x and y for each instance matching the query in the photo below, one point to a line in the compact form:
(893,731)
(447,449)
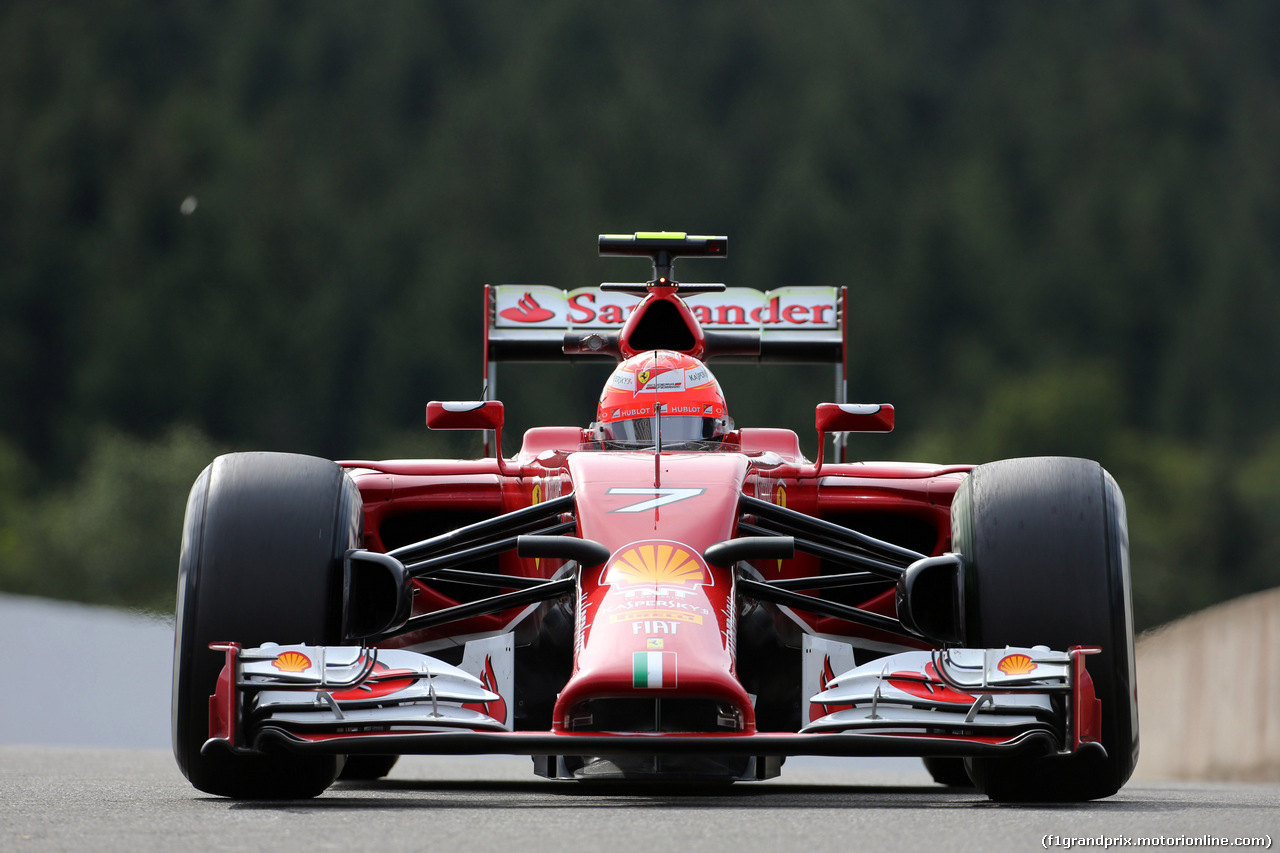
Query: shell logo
(1016,665)
(657,563)
(292,662)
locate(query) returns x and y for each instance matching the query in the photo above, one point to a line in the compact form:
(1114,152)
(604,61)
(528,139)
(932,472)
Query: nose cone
(659,624)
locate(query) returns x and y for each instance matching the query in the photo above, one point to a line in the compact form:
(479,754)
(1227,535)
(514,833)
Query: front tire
(262,548)
(367,768)
(1046,549)
(949,772)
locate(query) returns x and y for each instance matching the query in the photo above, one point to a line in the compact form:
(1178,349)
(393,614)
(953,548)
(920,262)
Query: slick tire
(1046,550)
(949,772)
(366,768)
(262,549)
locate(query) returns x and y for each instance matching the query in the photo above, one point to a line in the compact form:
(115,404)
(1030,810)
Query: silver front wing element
(310,690)
(351,700)
(971,692)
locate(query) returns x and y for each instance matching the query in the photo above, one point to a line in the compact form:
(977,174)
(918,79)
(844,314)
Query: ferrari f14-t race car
(662,595)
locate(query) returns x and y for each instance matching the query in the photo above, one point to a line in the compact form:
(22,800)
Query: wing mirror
(474,414)
(850,417)
(479,414)
(854,417)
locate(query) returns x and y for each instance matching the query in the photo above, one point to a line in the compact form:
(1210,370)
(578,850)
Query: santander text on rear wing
(532,322)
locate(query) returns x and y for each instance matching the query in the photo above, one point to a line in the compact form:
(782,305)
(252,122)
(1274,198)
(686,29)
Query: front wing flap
(966,693)
(358,700)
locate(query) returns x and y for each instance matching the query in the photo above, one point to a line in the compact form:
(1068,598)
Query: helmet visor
(638,432)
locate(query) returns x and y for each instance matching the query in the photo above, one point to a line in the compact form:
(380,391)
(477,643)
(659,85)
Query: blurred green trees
(104,535)
(249,225)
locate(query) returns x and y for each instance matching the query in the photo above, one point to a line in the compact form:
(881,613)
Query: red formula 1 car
(661,595)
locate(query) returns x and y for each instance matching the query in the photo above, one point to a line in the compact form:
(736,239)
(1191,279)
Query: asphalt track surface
(135,800)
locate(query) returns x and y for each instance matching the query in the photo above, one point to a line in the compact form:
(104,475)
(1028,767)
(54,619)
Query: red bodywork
(655,620)
(656,593)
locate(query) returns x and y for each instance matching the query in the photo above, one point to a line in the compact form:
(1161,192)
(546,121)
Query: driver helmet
(688,398)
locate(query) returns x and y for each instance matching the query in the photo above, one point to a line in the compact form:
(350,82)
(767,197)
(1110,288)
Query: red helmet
(688,399)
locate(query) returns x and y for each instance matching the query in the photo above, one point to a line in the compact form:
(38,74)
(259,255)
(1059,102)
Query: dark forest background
(265,225)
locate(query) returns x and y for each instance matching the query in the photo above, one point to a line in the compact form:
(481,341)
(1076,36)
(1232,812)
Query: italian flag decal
(653,669)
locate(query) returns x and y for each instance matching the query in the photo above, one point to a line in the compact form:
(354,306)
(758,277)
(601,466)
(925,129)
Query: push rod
(800,521)
(493,604)
(767,592)
(507,523)
(852,559)
(428,567)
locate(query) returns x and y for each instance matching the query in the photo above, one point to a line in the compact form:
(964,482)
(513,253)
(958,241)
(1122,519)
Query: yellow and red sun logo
(292,662)
(656,563)
(1016,665)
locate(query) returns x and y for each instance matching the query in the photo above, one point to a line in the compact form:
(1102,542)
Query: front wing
(356,700)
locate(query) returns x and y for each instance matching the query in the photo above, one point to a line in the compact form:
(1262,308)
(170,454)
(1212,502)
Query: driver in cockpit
(662,399)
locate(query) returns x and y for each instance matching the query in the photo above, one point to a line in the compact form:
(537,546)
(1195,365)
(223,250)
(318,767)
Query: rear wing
(796,325)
